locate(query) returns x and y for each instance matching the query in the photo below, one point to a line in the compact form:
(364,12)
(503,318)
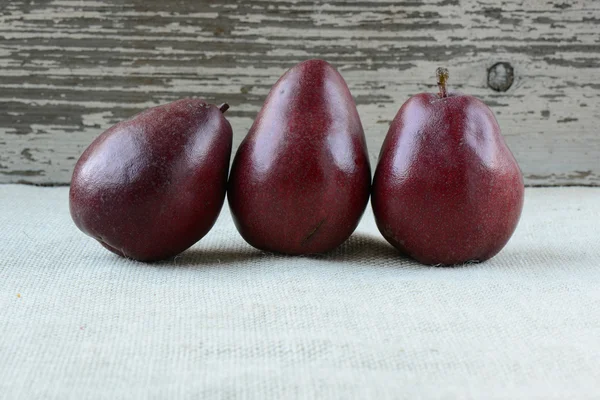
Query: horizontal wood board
(71,68)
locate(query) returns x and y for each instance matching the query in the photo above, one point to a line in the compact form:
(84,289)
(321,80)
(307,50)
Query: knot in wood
(500,76)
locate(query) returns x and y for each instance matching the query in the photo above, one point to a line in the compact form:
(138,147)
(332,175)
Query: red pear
(447,190)
(150,187)
(300,180)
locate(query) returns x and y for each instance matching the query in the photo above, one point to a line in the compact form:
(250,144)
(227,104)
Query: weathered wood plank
(71,68)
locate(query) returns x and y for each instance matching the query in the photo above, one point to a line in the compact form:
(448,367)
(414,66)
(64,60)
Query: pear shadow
(213,257)
(373,251)
(364,249)
(360,249)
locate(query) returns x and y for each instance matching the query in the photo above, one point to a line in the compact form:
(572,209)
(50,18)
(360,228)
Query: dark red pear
(447,190)
(300,180)
(150,187)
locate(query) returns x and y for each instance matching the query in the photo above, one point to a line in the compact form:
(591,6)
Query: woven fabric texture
(225,321)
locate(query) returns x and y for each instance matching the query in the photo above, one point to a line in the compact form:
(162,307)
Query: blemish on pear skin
(313,232)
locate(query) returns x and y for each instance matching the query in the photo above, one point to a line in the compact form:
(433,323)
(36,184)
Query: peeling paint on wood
(71,68)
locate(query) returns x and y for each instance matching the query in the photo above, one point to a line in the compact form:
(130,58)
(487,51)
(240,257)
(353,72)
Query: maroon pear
(300,180)
(447,190)
(150,187)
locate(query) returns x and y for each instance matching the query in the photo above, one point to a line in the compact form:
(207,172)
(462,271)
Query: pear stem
(442,78)
(224,107)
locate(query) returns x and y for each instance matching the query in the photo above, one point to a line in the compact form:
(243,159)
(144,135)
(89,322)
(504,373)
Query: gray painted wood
(71,68)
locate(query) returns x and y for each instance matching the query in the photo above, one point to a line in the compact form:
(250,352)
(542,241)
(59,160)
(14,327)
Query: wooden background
(71,68)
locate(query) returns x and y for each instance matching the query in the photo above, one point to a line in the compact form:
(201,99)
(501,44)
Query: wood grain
(71,68)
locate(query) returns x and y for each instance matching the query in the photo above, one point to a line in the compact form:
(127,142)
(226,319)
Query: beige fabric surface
(225,321)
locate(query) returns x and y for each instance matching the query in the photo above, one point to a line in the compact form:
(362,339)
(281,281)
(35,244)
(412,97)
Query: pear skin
(152,186)
(447,189)
(300,180)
